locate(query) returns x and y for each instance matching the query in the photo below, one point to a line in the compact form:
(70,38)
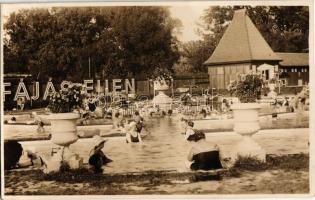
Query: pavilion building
(242,48)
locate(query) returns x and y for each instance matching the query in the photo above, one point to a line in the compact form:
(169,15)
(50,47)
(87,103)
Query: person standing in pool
(137,117)
(133,135)
(118,120)
(139,121)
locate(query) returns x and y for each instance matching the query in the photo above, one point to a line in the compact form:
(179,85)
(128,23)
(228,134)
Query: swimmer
(189,130)
(138,118)
(133,136)
(97,157)
(12,120)
(40,127)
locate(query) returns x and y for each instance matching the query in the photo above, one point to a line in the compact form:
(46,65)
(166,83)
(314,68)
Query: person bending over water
(133,135)
(202,155)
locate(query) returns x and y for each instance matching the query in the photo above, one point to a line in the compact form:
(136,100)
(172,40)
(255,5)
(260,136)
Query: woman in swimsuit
(203,155)
(133,135)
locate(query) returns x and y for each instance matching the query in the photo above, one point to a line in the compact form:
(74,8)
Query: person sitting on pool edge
(203,155)
(133,134)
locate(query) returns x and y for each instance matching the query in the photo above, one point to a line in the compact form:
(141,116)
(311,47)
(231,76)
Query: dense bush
(67,99)
(247,88)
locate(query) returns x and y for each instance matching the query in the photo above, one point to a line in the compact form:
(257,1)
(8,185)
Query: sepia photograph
(156,98)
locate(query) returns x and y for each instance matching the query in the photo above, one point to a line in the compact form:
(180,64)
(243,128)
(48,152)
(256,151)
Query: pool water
(165,148)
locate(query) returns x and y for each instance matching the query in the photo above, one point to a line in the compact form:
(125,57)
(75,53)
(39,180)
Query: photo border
(309,3)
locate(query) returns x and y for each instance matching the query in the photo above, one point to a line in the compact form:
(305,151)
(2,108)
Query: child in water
(97,157)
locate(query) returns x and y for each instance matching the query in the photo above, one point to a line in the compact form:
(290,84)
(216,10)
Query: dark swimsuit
(206,161)
(92,107)
(98,159)
(133,139)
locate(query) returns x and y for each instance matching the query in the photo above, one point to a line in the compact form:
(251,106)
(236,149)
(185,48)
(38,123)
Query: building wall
(220,76)
(144,87)
(294,74)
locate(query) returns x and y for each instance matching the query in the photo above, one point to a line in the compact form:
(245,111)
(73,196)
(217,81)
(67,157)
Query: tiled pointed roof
(241,42)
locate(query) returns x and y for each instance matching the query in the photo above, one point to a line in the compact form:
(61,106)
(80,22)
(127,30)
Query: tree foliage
(114,41)
(285,28)
(196,52)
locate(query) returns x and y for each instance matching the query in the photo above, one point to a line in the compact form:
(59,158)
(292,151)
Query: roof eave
(240,62)
(293,65)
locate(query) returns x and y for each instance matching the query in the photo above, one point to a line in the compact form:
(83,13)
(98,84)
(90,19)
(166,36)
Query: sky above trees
(189,21)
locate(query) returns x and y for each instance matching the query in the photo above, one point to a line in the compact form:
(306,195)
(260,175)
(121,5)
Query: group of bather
(131,129)
(202,156)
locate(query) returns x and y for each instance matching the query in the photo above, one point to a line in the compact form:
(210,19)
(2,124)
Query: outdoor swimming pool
(166,149)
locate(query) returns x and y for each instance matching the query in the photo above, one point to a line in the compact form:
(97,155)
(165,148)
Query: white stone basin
(163,101)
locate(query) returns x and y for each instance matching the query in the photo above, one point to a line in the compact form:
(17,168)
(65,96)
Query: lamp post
(89,67)
(212,98)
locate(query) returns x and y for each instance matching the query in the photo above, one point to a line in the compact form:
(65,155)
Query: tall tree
(285,28)
(109,41)
(196,52)
(145,38)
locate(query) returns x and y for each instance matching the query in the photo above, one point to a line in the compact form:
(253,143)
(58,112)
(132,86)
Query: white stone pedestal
(64,133)
(163,101)
(64,155)
(248,147)
(246,124)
